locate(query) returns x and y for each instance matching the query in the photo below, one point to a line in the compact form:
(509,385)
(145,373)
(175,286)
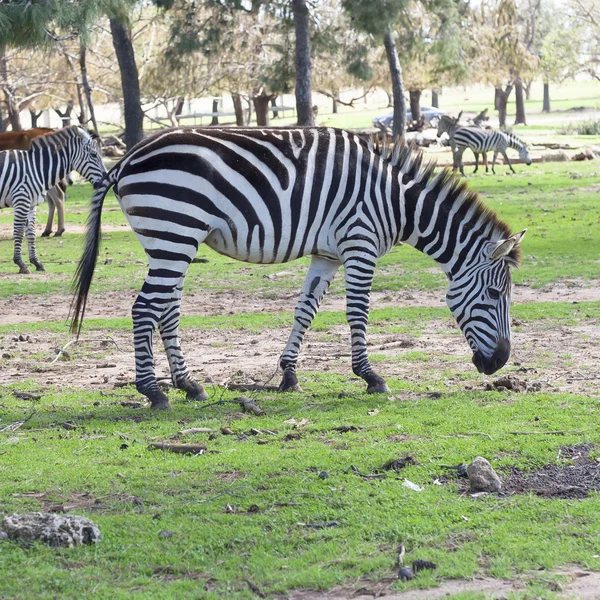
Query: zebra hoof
(23,270)
(39,267)
(46,233)
(158,400)
(289,383)
(194,392)
(59,232)
(378,388)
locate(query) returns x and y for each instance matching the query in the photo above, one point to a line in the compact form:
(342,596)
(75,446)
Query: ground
(296,503)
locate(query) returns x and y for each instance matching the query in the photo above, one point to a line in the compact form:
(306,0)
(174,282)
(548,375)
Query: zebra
(56,202)
(449,125)
(25,176)
(273,195)
(483,140)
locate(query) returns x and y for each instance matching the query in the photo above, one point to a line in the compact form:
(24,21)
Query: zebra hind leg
(319,277)
(21,208)
(359,273)
(169,331)
(30,234)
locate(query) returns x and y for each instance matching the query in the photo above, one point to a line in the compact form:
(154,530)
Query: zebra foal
(274,195)
(26,175)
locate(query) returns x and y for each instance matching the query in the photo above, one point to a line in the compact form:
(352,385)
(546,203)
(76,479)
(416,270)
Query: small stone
(405,574)
(323,475)
(3,535)
(165,534)
(482,477)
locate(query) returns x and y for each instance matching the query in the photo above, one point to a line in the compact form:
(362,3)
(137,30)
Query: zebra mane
(410,161)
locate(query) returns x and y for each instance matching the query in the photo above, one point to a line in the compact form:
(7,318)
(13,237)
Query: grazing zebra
(483,140)
(449,125)
(273,195)
(25,176)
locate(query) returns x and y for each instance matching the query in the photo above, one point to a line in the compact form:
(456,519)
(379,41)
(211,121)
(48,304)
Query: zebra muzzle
(490,364)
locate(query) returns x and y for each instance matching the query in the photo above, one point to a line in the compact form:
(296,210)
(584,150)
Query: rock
(482,477)
(52,529)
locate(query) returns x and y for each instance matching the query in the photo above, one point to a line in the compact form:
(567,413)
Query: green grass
(136,493)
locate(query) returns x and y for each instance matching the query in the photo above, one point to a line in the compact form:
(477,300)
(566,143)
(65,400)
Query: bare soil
(578,584)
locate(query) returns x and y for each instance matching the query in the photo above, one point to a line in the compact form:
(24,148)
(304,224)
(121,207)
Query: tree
(27,24)
(377,18)
(303,63)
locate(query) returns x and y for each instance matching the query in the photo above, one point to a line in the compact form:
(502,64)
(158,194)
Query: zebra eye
(493,294)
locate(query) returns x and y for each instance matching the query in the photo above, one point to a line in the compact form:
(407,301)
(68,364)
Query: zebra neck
(445,221)
(514,142)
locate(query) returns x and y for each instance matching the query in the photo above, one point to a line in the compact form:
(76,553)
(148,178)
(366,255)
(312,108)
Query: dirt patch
(583,585)
(223,356)
(576,480)
(6,229)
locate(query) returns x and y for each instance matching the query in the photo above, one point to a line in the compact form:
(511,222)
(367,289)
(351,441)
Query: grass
(133,494)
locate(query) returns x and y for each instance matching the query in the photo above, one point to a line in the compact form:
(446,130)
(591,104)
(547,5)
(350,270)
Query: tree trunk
(435,98)
(390,99)
(249,119)
(415,104)
(261,106)
(497,96)
(82,117)
(66,115)
(134,117)
(303,68)
(35,115)
(215,110)
(520,119)
(397,85)
(14,118)
(274,108)
(527,88)
(239,109)
(503,103)
(334,104)
(546,106)
(86,86)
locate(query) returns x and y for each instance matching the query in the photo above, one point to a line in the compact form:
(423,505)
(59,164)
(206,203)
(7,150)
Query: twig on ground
(255,589)
(249,405)
(16,424)
(364,475)
(458,435)
(76,341)
(539,432)
(179,448)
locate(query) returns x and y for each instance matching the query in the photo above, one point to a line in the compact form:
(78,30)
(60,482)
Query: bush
(589,127)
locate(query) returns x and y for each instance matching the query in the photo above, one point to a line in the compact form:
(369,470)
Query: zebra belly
(195,210)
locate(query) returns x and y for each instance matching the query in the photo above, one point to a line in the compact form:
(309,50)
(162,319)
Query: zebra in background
(273,195)
(481,141)
(449,126)
(26,175)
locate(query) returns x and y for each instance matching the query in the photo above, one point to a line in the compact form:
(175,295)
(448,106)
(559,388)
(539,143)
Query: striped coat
(274,195)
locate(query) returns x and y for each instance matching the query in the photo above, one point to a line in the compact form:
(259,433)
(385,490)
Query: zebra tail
(82,280)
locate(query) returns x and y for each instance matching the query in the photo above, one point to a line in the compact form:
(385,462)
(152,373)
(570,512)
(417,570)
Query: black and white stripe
(273,195)
(26,176)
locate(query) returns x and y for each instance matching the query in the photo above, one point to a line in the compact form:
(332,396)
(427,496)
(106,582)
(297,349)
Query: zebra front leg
(459,158)
(21,209)
(508,161)
(169,331)
(494,162)
(476,161)
(359,271)
(320,275)
(30,234)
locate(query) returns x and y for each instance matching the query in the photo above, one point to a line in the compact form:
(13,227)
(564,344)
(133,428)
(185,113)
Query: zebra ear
(504,247)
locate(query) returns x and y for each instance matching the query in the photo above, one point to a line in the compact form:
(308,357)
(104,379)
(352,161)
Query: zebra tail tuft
(82,280)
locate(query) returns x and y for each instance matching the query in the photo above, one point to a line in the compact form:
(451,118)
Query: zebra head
(479,298)
(445,123)
(86,156)
(524,154)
